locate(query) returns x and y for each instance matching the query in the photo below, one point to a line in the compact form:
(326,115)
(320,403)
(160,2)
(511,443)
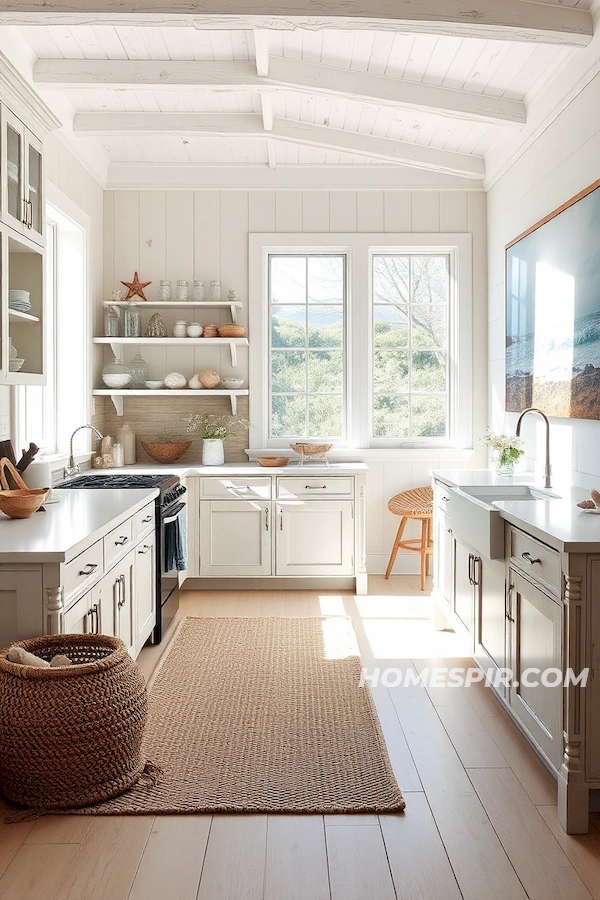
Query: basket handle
(5,463)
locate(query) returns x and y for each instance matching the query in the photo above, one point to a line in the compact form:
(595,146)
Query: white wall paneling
(562,161)
(204,234)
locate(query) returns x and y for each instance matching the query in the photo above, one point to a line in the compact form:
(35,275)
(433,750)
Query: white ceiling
(513,70)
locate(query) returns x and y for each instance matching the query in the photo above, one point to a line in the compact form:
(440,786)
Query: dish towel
(175,544)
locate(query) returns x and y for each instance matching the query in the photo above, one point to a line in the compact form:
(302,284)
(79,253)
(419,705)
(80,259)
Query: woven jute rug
(262,715)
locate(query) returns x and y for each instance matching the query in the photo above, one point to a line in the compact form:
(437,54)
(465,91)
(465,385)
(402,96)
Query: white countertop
(67,527)
(556,521)
(231,470)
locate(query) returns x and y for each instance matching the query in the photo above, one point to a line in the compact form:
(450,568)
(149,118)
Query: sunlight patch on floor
(412,639)
(332,605)
(339,639)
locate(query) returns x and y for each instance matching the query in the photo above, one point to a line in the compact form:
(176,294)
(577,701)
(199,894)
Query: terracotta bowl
(273,460)
(165,453)
(21,504)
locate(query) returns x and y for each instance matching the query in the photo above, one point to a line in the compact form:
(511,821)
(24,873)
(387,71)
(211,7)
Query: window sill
(372,454)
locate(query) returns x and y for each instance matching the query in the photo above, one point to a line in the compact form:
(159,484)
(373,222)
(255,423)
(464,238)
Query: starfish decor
(136,288)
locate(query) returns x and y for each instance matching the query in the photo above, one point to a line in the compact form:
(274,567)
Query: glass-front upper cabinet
(22,178)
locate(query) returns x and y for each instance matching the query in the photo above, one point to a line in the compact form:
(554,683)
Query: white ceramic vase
(213,453)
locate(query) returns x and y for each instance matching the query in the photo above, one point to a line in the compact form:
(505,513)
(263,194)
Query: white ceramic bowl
(154,385)
(232,384)
(15,364)
(117,381)
(194,330)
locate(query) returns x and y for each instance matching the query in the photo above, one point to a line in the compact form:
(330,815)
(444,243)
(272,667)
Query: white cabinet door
(235,537)
(145,590)
(464,597)
(314,537)
(34,189)
(124,623)
(536,623)
(13,171)
(21,604)
(79,618)
(443,557)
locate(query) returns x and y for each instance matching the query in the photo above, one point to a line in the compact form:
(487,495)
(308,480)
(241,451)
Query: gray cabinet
(463,594)
(490,614)
(535,630)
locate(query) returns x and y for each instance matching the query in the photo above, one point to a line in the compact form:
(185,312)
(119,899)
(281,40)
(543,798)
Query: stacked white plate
(19,300)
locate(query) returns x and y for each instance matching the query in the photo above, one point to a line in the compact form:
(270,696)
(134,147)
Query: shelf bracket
(117,403)
(233,399)
(233,348)
(233,308)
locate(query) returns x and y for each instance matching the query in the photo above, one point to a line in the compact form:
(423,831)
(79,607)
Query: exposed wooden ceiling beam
(284,74)
(520,20)
(251,126)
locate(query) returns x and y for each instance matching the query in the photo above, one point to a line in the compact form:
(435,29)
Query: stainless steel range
(169,507)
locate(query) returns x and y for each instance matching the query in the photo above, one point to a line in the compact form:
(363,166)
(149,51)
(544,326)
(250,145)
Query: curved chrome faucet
(533,409)
(72,468)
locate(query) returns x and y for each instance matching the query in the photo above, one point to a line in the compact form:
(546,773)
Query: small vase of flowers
(213,430)
(507,449)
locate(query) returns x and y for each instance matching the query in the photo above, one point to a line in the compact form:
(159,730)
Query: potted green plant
(165,447)
(213,430)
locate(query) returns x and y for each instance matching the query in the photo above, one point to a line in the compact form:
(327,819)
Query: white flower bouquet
(507,448)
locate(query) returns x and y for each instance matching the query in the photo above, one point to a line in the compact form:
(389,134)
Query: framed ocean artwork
(553,312)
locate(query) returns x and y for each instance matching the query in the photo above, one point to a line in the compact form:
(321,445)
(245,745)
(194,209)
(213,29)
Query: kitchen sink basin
(475,519)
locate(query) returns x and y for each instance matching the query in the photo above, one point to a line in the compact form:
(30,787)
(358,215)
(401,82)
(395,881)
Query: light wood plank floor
(480,820)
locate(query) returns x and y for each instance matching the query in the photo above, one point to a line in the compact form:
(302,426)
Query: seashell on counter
(586,504)
(595,495)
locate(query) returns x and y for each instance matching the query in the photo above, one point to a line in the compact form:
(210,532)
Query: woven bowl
(311,449)
(231,331)
(273,460)
(165,453)
(22,504)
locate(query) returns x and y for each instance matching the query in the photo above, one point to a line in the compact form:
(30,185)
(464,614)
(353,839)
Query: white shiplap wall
(204,234)
(561,162)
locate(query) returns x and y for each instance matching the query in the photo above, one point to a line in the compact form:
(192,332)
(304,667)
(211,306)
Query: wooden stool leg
(394,552)
(429,544)
(424,532)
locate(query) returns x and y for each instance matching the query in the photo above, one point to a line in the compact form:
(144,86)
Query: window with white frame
(48,415)
(307,346)
(361,340)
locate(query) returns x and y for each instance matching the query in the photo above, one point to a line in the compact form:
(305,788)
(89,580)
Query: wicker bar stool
(414,504)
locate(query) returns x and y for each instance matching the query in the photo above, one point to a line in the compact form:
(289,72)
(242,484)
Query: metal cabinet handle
(266,518)
(444,499)
(508,604)
(95,619)
(121,583)
(30,214)
(527,556)
(315,487)
(471,557)
(476,571)
(122,541)
(281,519)
(89,569)
(240,488)
(145,549)
(147,519)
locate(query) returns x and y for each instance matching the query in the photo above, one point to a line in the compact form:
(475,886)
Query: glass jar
(133,320)
(199,291)
(182,291)
(126,439)
(164,291)
(180,329)
(116,375)
(139,373)
(215,291)
(112,322)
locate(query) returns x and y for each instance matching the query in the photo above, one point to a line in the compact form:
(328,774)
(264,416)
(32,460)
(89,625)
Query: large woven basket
(165,453)
(71,736)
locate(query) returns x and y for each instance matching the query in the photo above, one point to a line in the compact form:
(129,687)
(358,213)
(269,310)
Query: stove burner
(117,481)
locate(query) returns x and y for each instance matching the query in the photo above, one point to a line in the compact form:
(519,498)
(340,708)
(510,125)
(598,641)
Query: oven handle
(173,515)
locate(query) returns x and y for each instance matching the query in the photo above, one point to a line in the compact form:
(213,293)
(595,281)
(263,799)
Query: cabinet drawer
(540,562)
(84,569)
(441,496)
(144,521)
(315,488)
(117,542)
(235,488)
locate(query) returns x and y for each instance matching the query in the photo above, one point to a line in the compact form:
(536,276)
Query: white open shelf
(15,316)
(231,305)
(117,396)
(233,343)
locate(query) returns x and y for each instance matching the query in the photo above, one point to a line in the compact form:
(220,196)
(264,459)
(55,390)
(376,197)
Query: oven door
(168,580)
